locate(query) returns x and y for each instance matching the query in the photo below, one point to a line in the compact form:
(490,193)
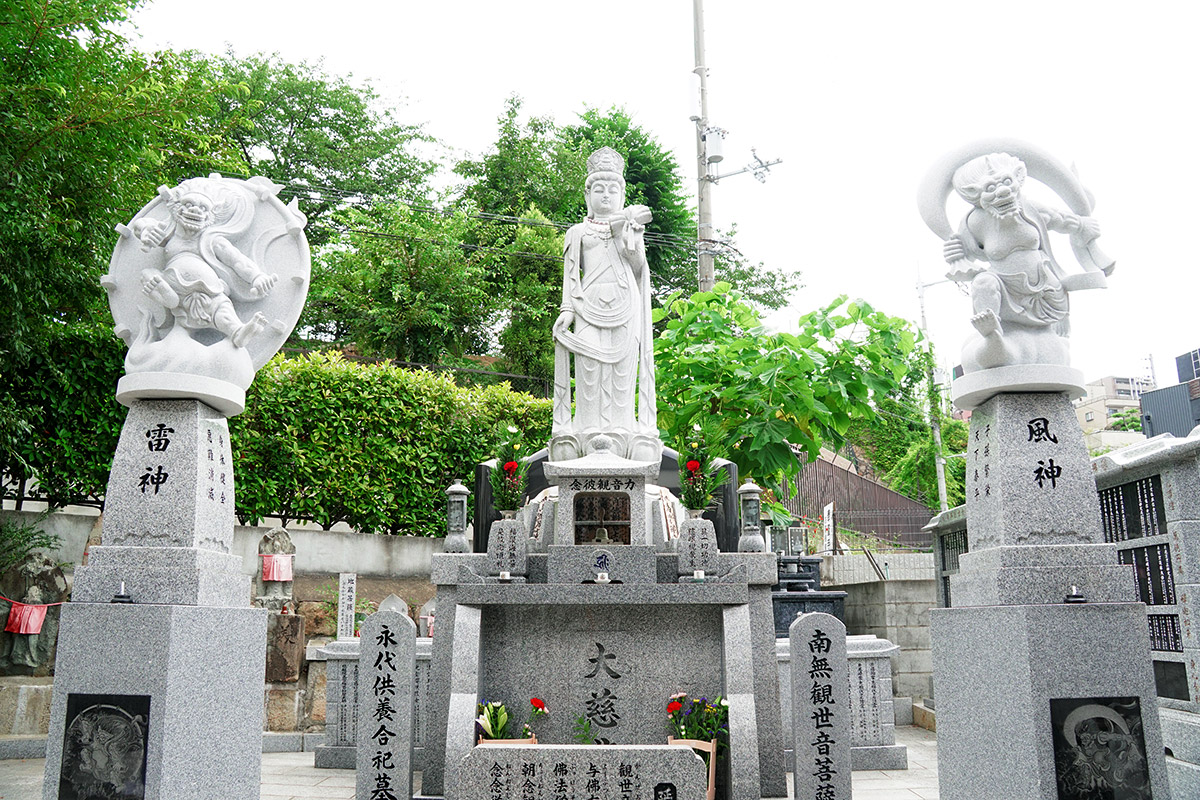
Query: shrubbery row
(322,438)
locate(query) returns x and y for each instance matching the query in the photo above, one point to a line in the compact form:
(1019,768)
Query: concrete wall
(899,612)
(317,551)
(855,568)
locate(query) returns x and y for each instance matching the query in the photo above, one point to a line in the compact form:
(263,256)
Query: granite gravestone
(204,285)
(386,668)
(697,549)
(1042,608)
(820,708)
(507,551)
(521,772)
(602,629)
(872,711)
(342,681)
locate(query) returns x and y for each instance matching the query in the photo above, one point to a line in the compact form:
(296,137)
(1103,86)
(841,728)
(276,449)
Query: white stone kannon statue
(1019,293)
(603,337)
(205,284)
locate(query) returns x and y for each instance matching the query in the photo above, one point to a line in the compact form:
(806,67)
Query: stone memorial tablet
(104,747)
(1099,749)
(385,725)
(508,549)
(820,708)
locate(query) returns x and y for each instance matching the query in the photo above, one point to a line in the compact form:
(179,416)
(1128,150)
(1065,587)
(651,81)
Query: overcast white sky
(858,99)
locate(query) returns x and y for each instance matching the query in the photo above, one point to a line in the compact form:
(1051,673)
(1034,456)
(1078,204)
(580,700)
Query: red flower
(538,703)
(674,706)
(693,465)
(510,467)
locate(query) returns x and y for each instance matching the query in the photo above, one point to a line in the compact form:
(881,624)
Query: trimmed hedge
(322,439)
(371,445)
(65,392)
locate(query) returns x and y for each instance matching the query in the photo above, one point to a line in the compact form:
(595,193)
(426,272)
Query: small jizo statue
(274,583)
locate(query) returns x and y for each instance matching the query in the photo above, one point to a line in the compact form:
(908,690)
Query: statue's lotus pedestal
(1043,670)
(160,666)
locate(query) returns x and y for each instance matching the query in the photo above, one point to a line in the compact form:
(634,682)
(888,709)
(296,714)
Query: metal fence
(860,504)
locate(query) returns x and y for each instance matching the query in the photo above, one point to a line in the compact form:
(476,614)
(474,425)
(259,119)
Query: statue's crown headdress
(606,160)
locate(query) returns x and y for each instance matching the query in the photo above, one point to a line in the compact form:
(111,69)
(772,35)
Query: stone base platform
(334,756)
(882,756)
(1022,686)
(202,734)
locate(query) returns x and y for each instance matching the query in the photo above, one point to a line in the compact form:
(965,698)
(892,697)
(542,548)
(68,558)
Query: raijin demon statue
(205,285)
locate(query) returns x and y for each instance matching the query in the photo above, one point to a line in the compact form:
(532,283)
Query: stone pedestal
(174,673)
(341,706)
(1009,679)
(201,733)
(1042,667)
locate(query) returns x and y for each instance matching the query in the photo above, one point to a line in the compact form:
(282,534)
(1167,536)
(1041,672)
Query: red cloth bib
(277,567)
(24,618)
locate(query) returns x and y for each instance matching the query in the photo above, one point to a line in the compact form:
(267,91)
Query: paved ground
(291,776)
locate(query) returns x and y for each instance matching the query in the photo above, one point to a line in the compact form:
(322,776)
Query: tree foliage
(329,141)
(914,473)
(91,127)
(899,442)
(752,395)
(400,284)
(538,164)
(1129,419)
(534,264)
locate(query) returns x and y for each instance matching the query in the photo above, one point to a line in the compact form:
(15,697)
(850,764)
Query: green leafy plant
(508,476)
(582,733)
(494,722)
(19,538)
(697,477)
(764,395)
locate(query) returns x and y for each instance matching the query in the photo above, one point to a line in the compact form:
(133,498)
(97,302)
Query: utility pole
(704,230)
(935,411)
(709,152)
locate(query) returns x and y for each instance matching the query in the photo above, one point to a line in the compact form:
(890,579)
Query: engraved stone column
(387,669)
(820,707)
(341,692)
(168,512)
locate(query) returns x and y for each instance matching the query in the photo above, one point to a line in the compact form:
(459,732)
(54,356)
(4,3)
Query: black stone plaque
(665,791)
(104,747)
(1099,749)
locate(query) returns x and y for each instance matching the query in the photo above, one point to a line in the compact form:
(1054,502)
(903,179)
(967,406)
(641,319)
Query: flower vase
(695,513)
(508,514)
(702,747)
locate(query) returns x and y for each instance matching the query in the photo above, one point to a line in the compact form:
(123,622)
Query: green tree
(400,284)
(899,443)
(914,473)
(753,395)
(1129,419)
(89,127)
(529,165)
(329,141)
(534,262)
